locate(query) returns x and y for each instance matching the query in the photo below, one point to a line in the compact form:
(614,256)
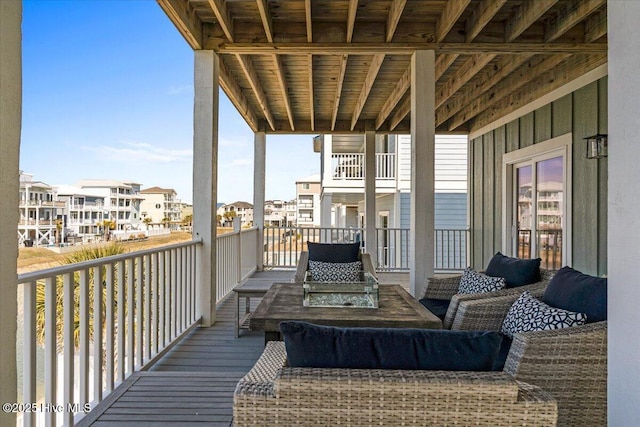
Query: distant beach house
(41,220)
(243,210)
(121,201)
(83,213)
(162,207)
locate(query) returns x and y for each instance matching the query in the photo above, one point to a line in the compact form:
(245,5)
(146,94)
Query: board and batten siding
(582,113)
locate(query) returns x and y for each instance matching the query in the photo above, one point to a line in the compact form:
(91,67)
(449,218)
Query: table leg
(237,315)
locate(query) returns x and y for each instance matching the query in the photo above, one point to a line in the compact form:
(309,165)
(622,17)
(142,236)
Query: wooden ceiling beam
(449,17)
(396,95)
(312,113)
(525,16)
(527,72)
(543,84)
(395,12)
(308,21)
(351,19)
(400,114)
(369,80)
(443,63)
(339,81)
(185,20)
(466,72)
(284,88)
(574,13)
(481,16)
(251,75)
(318,48)
(222,15)
(341,127)
(265,16)
(596,27)
(485,82)
(237,98)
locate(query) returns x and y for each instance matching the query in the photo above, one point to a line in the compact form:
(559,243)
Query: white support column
(370,238)
(422,169)
(327,151)
(259,156)
(623,221)
(205,179)
(10,125)
(325,217)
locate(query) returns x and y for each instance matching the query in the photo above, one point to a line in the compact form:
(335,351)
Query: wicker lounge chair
(569,363)
(446,288)
(273,394)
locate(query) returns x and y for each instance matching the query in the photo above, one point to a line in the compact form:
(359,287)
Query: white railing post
(69,346)
(97,333)
(50,347)
(83,345)
(29,352)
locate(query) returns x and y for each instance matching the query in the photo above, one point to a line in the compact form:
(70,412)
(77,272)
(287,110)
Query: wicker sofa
(569,363)
(446,288)
(303,266)
(273,394)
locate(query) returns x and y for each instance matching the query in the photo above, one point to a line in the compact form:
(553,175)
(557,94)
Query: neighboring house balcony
(40,223)
(41,203)
(347,170)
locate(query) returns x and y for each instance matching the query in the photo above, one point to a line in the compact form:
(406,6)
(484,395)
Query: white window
(536,206)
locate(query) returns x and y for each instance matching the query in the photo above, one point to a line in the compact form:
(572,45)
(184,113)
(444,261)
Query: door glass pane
(549,217)
(524,211)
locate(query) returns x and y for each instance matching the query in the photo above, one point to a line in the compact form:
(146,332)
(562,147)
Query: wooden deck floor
(193,384)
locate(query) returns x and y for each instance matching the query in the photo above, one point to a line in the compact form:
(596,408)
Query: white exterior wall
(623,221)
(148,207)
(10,125)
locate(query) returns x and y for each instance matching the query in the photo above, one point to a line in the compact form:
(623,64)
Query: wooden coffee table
(397,309)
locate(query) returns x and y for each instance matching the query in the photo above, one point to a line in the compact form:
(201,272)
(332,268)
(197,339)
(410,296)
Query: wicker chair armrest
(569,363)
(258,382)
(301,270)
(536,289)
(442,287)
(487,314)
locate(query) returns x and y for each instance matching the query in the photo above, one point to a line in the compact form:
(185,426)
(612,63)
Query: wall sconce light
(597,146)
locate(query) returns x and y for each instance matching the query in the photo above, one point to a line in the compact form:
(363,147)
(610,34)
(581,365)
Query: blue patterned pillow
(530,314)
(473,282)
(335,271)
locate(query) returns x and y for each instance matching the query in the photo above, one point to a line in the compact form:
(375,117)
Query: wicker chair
(303,266)
(446,288)
(569,363)
(273,394)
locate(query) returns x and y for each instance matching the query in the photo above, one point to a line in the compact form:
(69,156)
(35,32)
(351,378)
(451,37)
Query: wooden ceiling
(321,66)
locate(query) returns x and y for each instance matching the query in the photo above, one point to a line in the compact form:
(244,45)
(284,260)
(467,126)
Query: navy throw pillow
(334,252)
(516,271)
(315,346)
(572,290)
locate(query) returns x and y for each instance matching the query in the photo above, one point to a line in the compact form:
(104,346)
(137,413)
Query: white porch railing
(236,259)
(284,244)
(351,166)
(92,340)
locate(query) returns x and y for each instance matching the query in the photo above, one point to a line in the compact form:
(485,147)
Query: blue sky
(108,93)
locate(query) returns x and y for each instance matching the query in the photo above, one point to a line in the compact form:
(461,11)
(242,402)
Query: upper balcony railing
(42,203)
(350,166)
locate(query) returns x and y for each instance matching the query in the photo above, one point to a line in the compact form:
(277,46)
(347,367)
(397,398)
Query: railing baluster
(174,297)
(29,352)
(121,322)
(84,337)
(130,310)
(140,312)
(156,303)
(50,349)
(110,340)
(68,309)
(97,334)
(146,356)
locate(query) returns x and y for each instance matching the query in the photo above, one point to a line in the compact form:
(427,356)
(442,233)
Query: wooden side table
(247,290)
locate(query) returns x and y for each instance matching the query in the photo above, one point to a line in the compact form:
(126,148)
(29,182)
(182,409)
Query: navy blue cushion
(334,252)
(438,307)
(314,346)
(516,271)
(572,290)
